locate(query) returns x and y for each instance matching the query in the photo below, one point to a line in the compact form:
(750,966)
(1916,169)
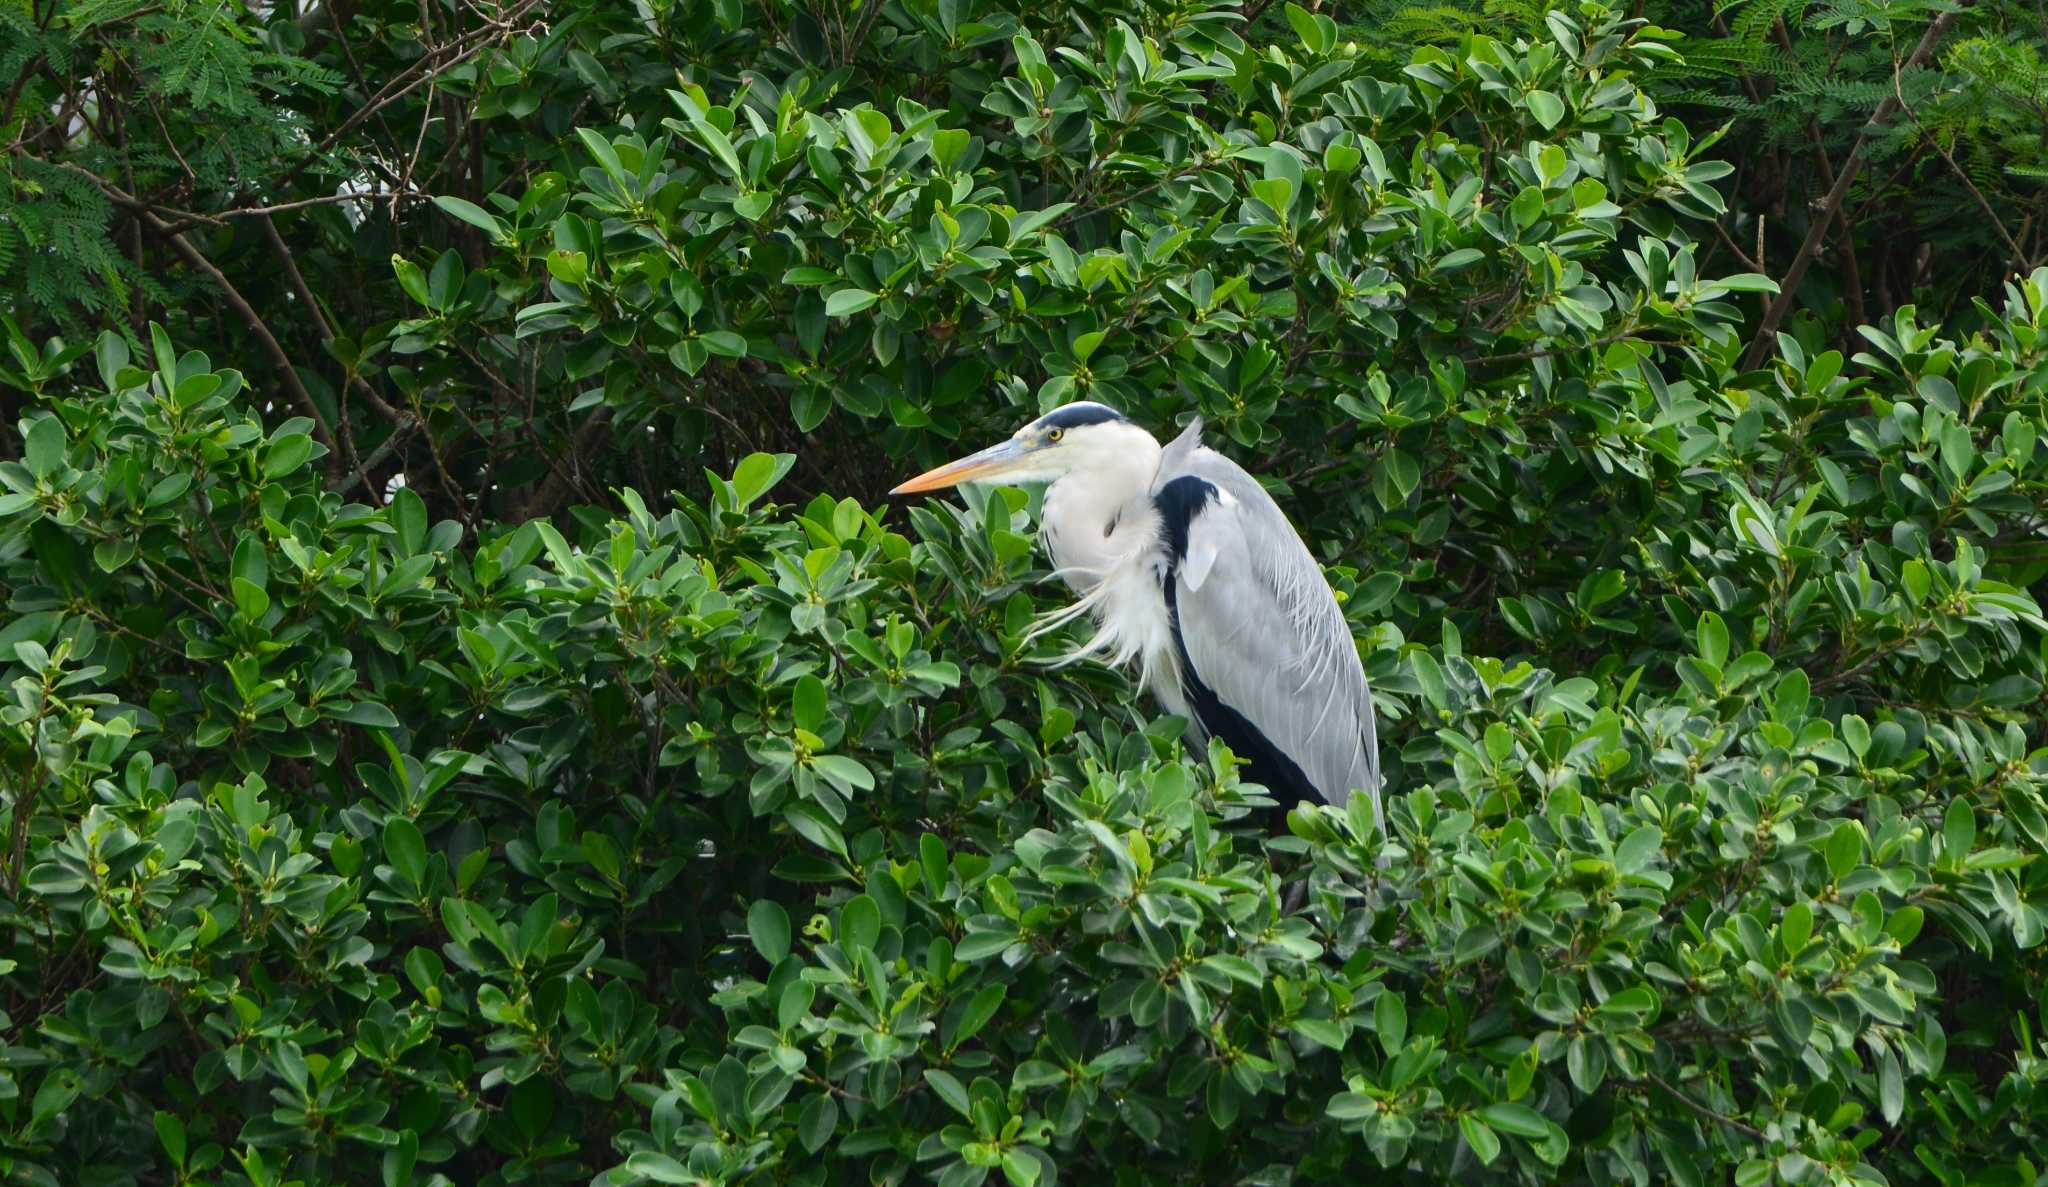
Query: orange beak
(986,466)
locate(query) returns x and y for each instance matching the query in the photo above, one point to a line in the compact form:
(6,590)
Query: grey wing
(1263,631)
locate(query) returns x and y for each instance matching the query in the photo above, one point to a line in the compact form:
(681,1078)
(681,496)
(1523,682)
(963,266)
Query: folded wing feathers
(1321,662)
(1274,567)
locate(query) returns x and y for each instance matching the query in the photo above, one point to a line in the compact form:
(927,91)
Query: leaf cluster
(515,743)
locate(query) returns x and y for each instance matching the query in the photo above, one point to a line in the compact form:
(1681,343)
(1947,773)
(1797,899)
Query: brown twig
(197,261)
(1728,241)
(1073,216)
(1853,278)
(1701,1109)
(450,53)
(1998,224)
(378,456)
(566,472)
(1526,355)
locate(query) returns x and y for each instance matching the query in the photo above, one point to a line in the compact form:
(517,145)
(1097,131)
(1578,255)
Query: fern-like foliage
(54,250)
(176,99)
(1995,119)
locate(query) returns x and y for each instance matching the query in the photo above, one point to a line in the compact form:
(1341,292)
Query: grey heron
(1189,568)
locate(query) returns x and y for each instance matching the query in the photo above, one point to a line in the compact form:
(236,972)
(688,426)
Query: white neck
(1096,513)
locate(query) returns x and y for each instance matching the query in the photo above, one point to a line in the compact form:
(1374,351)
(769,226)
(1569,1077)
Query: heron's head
(1069,438)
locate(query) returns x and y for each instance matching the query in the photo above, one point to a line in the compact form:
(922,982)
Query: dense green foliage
(1952,196)
(471,718)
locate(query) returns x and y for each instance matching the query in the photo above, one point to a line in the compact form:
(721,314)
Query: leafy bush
(1941,103)
(408,784)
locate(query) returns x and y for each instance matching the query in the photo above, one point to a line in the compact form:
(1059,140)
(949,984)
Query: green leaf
(860,923)
(471,213)
(1796,928)
(1712,639)
(1020,1168)
(286,455)
(43,447)
(1959,829)
(1430,676)
(412,280)
(1321,1031)
(1306,27)
(980,1008)
(365,713)
(111,555)
(724,343)
(250,600)
(1844,850)
(406,848)
(981,945)
(847,774)
(1914,576)
(710,136)
(849,300)
(660,1168)
(1891,1088)
(170,1130)
(1793,691)
(1516,1119)
(1458,261)
(2021,809)
(603,152)
(818,1121)
(768,927)
(1638,848)
(1586,1062)
(1390,1022)
(1403,472)
(932,857)
(409,515)
(1485,1144)
(1352,1106)
(758,473)
(167,489)
(947,1087)
(807,704)
(1546,107)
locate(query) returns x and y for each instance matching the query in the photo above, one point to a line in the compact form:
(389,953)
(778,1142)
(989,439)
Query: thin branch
(323,200)
(350,380)
(1824,214)
(2011,245)
(566,471)
(1850,265)
(428,68)
(377,458)
(1728,241)
(198,262)
(1074,216)
(1569,348)
(1703,1110)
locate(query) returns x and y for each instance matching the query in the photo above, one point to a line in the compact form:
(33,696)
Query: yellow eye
(1056,434)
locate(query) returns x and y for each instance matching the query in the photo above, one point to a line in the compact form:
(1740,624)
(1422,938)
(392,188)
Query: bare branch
(1824,213)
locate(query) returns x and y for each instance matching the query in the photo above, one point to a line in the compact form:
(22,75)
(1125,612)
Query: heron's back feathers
(1262,629)
(1197,575)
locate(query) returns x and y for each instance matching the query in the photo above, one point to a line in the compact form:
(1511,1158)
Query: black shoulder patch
(1073,416)
(1179,501)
